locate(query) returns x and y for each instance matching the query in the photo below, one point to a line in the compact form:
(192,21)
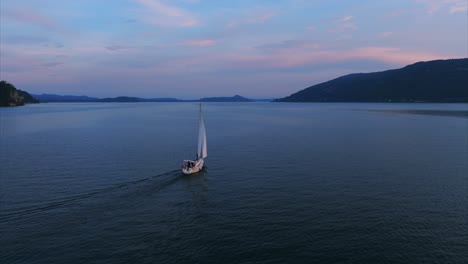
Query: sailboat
(194,166)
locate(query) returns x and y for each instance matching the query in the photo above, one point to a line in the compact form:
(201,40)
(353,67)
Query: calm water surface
(285,183)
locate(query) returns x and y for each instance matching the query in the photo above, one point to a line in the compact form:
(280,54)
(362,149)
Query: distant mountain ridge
(127,99)
(235,98)
(432,81)
(64,98)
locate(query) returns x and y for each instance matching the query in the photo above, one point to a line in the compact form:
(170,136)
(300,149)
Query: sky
(190,49)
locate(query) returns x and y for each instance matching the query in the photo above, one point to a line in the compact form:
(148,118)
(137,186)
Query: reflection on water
(197,185)
(428,112)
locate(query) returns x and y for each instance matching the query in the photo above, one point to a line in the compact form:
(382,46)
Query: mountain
(64,98)
(127,99)
(235,98)
(10,96)
(162,100)
(55,98)
(432,81)
(121,99)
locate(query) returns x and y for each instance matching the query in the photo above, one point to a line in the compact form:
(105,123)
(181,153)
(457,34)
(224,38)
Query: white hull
(198,166)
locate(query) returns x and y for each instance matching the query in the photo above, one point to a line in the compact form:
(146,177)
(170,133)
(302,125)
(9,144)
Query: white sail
(202,153)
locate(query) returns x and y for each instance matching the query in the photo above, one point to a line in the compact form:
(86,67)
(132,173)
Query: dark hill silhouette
(122,99)
(127,99)
(432,81)
(235,98)
(10,96)
(64,98)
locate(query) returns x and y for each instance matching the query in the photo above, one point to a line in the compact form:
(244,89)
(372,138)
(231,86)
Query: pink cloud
(344,24)
(287,58)
(397,13)
(256,19)
(32,17)
(348,26)
(299,57)
(386,34)
(266,69)
(289,46)
(160,14)
(27,69)
(343,19)
(459,7)
(344,27)
(392,55)
(14,50)
(200,42)
(453,6)
(120,48)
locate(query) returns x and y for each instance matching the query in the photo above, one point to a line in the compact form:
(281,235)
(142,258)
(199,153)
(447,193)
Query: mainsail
(201,138)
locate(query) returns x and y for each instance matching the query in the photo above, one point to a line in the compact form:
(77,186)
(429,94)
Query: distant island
(10,96)
(235,98)
(55,98)
(126,99)
(432,81)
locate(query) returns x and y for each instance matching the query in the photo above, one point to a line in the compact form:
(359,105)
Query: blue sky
(200,48)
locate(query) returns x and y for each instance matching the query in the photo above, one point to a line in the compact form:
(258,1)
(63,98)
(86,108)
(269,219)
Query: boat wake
(162,180)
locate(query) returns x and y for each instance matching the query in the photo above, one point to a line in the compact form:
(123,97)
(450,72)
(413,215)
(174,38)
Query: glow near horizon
(200,48)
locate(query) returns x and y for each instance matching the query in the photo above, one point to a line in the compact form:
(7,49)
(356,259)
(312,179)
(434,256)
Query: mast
(202,151)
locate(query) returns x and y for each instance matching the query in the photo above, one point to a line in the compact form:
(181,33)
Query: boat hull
(195,169)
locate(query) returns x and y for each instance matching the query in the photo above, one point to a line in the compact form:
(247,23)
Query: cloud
(119,48)
(51,64)
(24,39)
(302,57)
(130,20)
(348,26)
(396,13)
(38,51)
(255,19)
(343,19)
(200,42)
(344,27)
(289,45)
(36,67)
(451,6)
(54,45)
(386,34)
(17,60)
(157,13)
(290,56)
(32,17)
(459,7)
(311,28)
(391,55)
(344,24)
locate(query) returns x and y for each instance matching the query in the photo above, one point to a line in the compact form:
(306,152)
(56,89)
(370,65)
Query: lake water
(285,183)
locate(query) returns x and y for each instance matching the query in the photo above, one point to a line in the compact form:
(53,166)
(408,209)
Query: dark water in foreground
(286,183)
